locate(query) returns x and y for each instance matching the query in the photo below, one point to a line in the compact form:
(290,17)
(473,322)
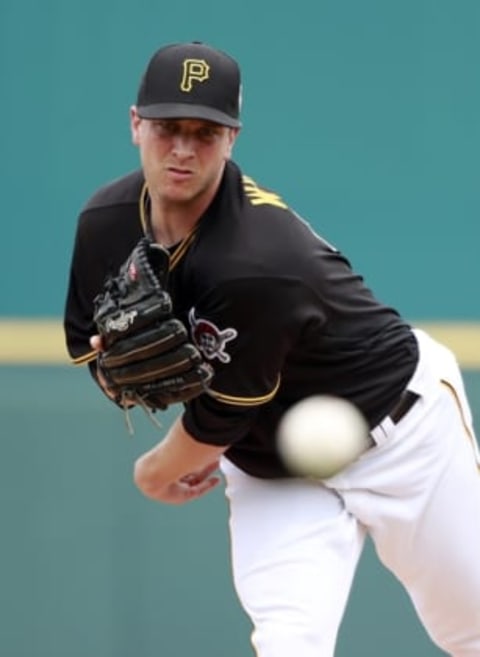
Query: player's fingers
(96,343)
(181,492)
(197,490)
(212,467)
(191,491)
(197,477)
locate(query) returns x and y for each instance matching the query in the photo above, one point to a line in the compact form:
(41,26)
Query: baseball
(321,435)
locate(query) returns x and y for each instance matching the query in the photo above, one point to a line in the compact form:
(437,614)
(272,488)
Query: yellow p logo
(194,70)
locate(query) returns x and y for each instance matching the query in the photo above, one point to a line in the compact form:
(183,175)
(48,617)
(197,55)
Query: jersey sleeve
(245,329)
(78,315)
(104,238)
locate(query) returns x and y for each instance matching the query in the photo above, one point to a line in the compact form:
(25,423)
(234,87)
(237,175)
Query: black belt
(404,404)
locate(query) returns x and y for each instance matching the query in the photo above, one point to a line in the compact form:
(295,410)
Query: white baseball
(321,435)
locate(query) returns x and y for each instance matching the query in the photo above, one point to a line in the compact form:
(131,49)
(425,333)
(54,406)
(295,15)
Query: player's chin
(179,194)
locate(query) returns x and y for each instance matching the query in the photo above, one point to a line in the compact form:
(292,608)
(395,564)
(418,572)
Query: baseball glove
(147,358)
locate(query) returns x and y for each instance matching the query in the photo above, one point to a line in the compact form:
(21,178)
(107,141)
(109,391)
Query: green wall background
(365,117)
(90,568)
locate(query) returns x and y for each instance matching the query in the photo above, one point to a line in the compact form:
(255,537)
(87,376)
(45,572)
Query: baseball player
(280,315)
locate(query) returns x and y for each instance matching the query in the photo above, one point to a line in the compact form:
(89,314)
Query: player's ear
(134,125)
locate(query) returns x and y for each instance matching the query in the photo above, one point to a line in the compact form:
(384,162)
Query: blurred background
(364,116)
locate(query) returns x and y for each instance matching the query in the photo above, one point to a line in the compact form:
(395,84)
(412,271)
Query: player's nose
(183,145)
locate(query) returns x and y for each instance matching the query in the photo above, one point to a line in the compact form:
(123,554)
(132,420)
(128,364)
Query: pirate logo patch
(209,339)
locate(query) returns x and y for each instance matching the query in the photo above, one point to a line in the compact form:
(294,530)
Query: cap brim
(186,111)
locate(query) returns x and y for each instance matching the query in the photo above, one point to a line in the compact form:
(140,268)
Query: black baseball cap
(191,81)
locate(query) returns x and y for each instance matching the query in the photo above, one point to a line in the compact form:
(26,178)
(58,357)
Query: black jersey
(277,311)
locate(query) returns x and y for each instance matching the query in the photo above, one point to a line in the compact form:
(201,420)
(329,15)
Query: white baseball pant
(296,543)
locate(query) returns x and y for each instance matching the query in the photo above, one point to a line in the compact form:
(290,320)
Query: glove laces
(149,412)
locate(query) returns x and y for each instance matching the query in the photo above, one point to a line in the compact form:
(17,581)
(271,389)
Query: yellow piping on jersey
(245,401)
(179,252)
(468,431)
(142,202)
(181,249)
(86,358)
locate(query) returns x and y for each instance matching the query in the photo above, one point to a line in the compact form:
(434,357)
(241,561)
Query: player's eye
(208,134)
(165,128)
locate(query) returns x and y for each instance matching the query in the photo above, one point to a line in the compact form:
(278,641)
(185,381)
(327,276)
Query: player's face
(182,159)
